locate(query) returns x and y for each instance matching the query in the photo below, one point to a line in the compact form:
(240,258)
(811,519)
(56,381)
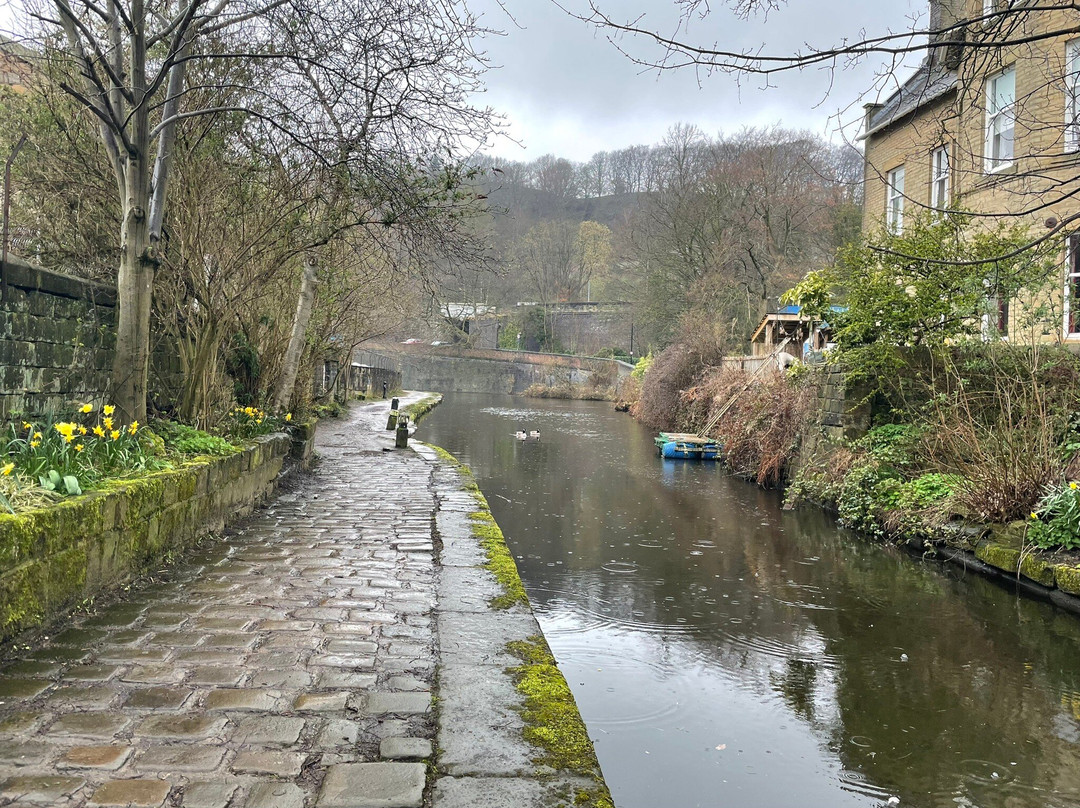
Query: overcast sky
(564,89)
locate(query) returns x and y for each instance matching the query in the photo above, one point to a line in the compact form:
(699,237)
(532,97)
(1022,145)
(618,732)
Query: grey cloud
(566,90)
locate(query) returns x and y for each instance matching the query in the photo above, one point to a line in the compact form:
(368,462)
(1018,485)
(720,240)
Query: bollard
(401,440)
(391,422)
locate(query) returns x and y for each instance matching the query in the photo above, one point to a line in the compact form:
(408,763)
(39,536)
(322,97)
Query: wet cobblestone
(268,672)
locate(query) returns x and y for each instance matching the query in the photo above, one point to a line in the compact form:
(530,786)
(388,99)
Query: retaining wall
(492,371)
(56,343)
(53,558)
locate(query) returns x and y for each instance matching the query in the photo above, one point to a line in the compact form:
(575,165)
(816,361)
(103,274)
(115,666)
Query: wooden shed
(788,322)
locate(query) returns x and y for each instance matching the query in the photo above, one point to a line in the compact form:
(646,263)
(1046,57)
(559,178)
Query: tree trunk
(135,280)
(134,284)
(199,377)
(287,380)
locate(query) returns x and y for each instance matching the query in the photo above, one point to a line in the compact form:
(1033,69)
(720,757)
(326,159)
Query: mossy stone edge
(553,723)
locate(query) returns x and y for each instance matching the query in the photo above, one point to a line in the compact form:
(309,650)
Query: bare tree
(352,86)
(737,220)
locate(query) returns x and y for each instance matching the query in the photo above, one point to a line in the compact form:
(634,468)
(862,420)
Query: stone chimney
(869,111)
(943,14)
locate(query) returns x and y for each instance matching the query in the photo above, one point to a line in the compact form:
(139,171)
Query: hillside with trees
(695,232)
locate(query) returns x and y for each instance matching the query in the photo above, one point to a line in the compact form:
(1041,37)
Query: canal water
(725,652)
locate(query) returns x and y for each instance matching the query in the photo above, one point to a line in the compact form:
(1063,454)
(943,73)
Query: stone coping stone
(373,785)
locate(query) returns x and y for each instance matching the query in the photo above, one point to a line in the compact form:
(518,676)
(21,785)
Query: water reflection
(724,652)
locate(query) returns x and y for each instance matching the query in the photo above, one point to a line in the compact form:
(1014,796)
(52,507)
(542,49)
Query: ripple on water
(622,567)
(772,648)
(985,782)
(855,782)
(985,772)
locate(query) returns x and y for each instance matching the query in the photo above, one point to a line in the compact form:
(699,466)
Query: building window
(989,7)
(939,178)
(1072,96)
(1072,286)
(894,200)
(1000,120)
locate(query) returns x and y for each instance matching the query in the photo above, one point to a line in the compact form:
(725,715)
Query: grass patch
(552,720)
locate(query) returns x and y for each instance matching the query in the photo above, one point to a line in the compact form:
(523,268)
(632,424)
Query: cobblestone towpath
(335,650)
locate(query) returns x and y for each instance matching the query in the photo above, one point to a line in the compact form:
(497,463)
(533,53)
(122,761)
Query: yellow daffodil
(79,447)
(27,426)
(35,443)
(1034,515)
(1072,486)
(115,434)
(82,430)
(6,470)
(133,428)
(37,436)
(99,431)
(108,409)
(108,423)
(288,416)
(68,438)
(86,408)
(64,429)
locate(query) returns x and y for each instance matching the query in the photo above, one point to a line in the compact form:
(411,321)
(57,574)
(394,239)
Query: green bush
(642,367)
(894,445)
(1056,520)
(917,494)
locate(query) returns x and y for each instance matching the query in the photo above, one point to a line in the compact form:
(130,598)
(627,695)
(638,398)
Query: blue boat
(678,446)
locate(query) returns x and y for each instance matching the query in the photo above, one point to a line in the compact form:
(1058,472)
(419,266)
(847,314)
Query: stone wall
(588,328)
(53,558)
(845,412)
(56,340)
(56,344)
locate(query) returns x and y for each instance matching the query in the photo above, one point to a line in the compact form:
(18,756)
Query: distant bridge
(451,369)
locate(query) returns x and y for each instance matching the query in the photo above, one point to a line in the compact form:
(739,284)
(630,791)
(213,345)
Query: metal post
(401,437)
(7,207)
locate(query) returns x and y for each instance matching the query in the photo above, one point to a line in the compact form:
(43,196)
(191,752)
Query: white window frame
(1072,285)
(1000,122)
(940,178)
(989,7)
(1072,96)
(894,200)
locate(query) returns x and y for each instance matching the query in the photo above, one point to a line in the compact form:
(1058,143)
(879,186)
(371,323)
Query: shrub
(1002,432)
(1056,519)
(642,367)
(675,370)
(762,425)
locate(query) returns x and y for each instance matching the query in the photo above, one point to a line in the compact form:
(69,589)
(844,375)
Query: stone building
(15,65)
(989,122)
